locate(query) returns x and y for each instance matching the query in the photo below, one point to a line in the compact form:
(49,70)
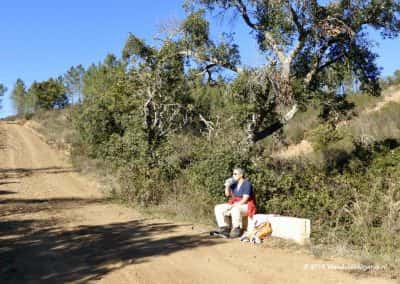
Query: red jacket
(251,204)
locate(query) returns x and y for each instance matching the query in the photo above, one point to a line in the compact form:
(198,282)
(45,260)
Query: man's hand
(228,182)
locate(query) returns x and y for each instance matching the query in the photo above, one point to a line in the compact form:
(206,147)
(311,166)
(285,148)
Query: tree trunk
(254,136)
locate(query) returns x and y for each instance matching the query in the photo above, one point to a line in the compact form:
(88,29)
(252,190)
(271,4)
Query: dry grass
(366,264)
(301,123)
(292,151)
(377,125)
(390,95)
(378,119)
(363,102)
(55,128)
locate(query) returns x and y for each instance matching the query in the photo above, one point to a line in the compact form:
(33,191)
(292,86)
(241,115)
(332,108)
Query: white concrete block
(290,228)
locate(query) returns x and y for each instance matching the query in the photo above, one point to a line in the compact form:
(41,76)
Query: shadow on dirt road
(27,172)
(43,251)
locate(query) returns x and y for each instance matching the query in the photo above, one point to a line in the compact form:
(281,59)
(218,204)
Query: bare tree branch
(271,42)
(212,60)
(209,125)
(301,38)
(241,7)
(314,67)
(330,62)
(290,114)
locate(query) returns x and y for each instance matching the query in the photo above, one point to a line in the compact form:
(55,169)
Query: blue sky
(43,38)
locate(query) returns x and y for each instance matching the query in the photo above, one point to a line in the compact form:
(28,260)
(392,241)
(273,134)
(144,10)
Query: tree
(98,117)
(160,85)
(73,79)
(48,95)
(395,79)
(397,76)
(3,89)
(303,42)
(18,96)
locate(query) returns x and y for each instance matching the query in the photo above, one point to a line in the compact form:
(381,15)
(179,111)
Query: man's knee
(238,211)
(235,210)
(218,208)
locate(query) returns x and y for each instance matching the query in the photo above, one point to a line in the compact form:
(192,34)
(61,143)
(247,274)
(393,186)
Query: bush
(214,166)
(324,135)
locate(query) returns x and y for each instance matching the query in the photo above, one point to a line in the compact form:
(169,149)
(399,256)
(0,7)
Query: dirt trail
(56,227)
(392,95)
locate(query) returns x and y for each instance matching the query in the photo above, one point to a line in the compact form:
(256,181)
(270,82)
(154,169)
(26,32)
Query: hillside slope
(305,147)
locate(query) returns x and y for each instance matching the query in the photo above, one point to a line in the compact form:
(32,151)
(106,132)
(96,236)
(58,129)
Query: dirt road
(56,227)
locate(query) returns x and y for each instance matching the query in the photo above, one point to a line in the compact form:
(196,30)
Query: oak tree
(308,45)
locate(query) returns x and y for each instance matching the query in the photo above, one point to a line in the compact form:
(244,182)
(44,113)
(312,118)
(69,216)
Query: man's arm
(228,184)
(228,190)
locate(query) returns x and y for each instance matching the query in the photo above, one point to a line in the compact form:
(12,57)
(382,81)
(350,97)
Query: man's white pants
(223,211)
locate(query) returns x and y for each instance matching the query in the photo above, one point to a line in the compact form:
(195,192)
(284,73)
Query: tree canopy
(49,94)
(18,96)
(3,89)
(73,80)
(308,47)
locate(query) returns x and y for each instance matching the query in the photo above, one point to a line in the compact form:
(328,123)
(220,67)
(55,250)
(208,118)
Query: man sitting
(241,203)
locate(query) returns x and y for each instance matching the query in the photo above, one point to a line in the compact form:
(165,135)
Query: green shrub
(214,166)
(324,135)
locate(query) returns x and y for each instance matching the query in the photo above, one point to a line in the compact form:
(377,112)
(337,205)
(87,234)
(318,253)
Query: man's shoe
(235,233)
(223,230)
